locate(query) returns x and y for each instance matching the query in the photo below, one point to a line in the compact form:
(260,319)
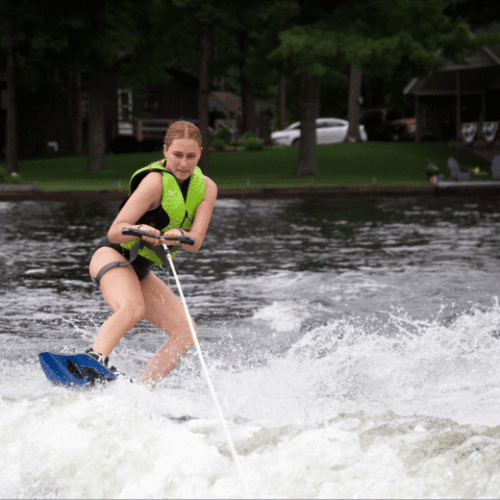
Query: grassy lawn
(338,164)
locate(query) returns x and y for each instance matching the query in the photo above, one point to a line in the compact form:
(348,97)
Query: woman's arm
(146,196)
(202,218)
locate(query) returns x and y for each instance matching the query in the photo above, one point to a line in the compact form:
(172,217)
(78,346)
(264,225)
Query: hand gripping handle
(137,232)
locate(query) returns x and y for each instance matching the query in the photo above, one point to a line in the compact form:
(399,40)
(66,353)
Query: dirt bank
(306,193)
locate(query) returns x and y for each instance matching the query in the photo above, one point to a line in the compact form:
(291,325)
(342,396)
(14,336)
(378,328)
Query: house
(164,104)
(134,120)
(460,100)
(139,119)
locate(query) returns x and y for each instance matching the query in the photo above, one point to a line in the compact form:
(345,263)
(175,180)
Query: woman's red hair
(182,130)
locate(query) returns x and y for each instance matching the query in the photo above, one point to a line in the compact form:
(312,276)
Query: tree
(12,35)
(11,129)
(468,12)
(96,39)
(371,36)
(53,40)
(281,104)
(203,98)
(386,40)
(203,16)
(353,110)
(308,51)
(244,36)
(30,49)
(311,48)
(309,97)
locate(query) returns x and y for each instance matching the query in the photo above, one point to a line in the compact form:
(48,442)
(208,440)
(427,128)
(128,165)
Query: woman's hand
(151,230)
(173,233)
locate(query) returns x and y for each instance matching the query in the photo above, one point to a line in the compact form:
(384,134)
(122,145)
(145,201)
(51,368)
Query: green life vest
(180,211)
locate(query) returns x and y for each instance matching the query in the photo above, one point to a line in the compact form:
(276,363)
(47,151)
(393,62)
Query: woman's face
(182,157)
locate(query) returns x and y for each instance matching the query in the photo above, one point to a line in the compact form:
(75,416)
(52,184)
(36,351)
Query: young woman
(172,197)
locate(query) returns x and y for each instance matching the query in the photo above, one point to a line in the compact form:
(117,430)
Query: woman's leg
(121,289)
(166,312)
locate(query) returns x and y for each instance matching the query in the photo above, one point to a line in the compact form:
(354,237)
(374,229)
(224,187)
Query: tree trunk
(354,111)
(203,98)
(265,120)
(248,105)
(458,110)
(97,141)
(11,150)
(309,90)
(247,94)
(281,101)
(418,120)
(76,110)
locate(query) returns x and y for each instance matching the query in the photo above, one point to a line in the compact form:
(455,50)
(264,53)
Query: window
(125,105)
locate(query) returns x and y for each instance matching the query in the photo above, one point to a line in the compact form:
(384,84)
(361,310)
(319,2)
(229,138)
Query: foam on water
(347,411)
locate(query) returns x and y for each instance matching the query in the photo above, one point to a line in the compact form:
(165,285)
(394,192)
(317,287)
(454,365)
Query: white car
(328,131)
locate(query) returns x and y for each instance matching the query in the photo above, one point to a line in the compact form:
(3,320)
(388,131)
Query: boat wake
(387,407)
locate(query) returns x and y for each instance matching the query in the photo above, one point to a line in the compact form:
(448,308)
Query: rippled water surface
(354,346)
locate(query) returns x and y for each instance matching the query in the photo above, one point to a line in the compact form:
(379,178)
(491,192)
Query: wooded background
(309,57)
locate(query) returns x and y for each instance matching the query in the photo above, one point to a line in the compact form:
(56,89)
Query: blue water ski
(74,370)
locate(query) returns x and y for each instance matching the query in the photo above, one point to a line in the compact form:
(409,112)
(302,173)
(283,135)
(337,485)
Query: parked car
(386,124)
(403,129)
(328,131)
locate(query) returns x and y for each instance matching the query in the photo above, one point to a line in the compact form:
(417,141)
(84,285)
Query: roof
(225,102)
(480,70)
(481,58)
(445,82)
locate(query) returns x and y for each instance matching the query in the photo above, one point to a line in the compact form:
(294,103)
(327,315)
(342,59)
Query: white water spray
(207,376)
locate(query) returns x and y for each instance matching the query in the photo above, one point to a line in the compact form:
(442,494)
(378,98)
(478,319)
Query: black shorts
(140,264)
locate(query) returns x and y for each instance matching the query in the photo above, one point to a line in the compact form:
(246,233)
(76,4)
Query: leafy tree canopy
(380,36)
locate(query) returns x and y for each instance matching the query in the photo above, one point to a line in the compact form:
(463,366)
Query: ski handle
(137,232)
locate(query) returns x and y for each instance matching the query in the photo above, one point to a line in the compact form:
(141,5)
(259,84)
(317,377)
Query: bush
(8,178)
(220,139)
(218,143)
(251,142)
(225,135)
(212,134)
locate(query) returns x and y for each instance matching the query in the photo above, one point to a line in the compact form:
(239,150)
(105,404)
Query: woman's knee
(122,293)
(185,338)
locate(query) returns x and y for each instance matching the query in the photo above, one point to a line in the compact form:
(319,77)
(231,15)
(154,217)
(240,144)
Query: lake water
(354,347)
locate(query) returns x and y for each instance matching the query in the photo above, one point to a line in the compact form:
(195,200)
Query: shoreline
(303,192)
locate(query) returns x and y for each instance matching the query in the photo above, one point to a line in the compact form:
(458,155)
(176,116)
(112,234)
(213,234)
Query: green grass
(338,164)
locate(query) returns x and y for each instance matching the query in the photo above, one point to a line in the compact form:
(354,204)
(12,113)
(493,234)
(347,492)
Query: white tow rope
(207,376)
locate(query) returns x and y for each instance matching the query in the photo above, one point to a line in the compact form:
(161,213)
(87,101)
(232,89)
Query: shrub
(213,135)
(8,178)
(220,139)
(218,143)
(251,142)
(225,135)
